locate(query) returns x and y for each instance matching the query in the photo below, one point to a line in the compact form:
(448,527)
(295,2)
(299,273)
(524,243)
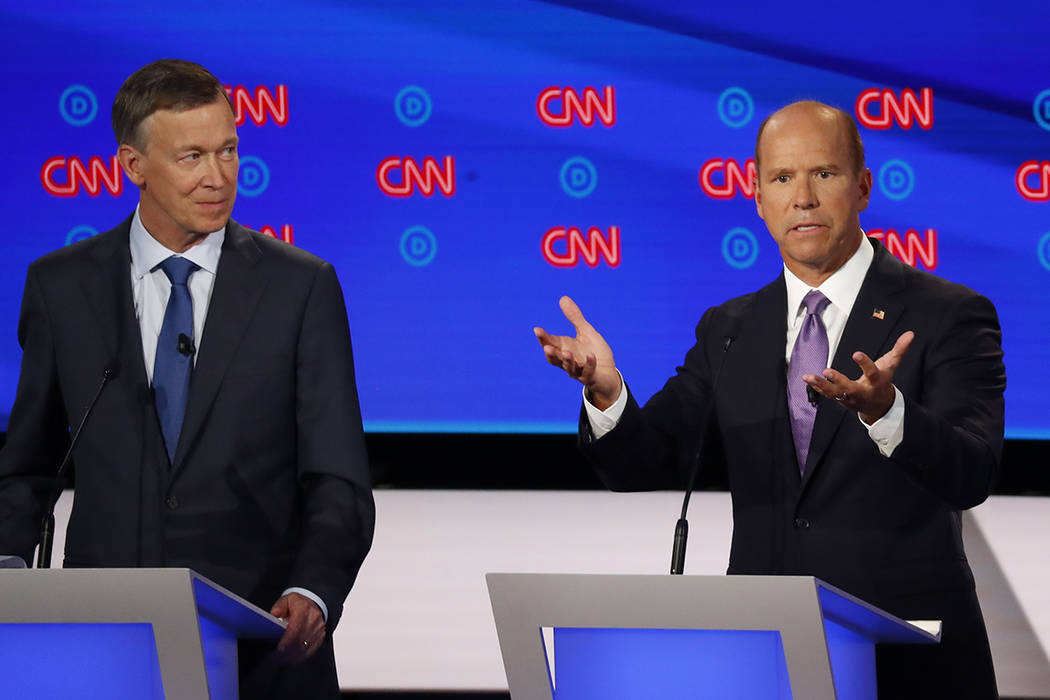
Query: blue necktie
(809,356)
(174,360)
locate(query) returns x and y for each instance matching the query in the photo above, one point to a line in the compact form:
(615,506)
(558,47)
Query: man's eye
(782,178)
(824,174)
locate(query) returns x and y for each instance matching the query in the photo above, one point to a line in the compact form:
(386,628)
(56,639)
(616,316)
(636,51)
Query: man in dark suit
(859,482)
(228,438)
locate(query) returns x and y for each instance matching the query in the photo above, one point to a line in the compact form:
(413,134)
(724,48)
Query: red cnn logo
(1041,192)
(93,177)
(903,109)
(259,106)
(572,106)
(413,176)
(912,248)
(286,234)
(734,179)
(593,248)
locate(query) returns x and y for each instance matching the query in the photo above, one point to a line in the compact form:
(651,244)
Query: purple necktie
(809,356)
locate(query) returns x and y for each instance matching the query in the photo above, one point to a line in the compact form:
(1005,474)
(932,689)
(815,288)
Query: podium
(674,637)
(122,633)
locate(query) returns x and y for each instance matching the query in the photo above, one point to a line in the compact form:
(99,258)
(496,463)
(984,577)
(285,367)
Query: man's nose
(805,194)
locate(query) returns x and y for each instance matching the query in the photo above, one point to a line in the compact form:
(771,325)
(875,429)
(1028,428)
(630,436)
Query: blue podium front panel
(606,664)
(84,661)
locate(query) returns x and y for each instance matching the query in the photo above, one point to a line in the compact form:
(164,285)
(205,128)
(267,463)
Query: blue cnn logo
(1042,250)
(254,176)
(1041,109)
(896,179)
(578,177)
(412,106)
(740,248)
(78,105)
(80,233)
(735,107)
(418,246)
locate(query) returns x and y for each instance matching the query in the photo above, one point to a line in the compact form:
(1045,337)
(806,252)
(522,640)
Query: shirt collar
(147,252)
(841,288)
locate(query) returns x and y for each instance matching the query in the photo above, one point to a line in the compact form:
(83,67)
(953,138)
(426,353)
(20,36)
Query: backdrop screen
(465,164)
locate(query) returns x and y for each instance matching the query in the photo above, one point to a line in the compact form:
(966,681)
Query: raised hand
(585,357)
(871,395)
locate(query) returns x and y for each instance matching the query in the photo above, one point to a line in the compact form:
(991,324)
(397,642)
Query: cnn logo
(879,108)
(562,106)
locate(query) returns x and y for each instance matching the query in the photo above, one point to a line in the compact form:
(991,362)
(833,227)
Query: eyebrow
(232,141)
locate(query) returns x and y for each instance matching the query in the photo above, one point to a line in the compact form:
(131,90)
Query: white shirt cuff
(311,596)
(888,432)
(601,421)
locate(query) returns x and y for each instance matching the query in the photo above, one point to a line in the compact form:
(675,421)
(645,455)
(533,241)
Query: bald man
(859,409)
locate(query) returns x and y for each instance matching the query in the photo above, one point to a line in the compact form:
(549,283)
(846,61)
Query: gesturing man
(229,438)
(859,408)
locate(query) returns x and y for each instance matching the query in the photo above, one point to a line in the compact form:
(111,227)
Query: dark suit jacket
(269,487)
(884,529)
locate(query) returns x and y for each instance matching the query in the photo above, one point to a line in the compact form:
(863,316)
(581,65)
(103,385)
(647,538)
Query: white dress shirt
(150,289)
(841,289)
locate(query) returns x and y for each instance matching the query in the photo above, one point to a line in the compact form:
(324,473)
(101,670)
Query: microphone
(812,395)
(681,528)
(47,525)
(186,346)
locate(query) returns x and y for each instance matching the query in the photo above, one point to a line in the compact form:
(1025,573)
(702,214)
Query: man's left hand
(305,632)
(871,395)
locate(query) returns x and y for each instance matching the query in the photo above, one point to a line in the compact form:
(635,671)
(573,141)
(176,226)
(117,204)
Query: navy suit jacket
(269,487)
(887,530)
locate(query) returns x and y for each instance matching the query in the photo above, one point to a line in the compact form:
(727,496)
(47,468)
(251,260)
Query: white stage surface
(419,616)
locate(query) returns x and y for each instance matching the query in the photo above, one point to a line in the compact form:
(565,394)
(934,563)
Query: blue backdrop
(439,155)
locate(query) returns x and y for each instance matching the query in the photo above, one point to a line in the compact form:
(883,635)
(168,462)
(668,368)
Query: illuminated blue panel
(88,662)
(443,287)
(608,664)
(852,662)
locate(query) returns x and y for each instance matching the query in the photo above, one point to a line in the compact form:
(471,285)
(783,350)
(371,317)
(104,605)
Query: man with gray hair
(228,439)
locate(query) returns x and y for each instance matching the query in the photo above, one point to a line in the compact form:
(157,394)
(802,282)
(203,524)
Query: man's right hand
(586,358)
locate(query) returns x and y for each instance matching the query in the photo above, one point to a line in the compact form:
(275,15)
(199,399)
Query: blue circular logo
(735,107)
(578,177)
(79,233)
(412,105)
(740,248)
(78,105)
(1041,109)
(254,176)
(896,179)
(1043,250)
(418,246)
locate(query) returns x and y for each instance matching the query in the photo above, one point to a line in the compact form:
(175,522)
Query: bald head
(834,117)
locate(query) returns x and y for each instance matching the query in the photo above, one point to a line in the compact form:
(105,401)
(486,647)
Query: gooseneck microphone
(47,526)
(681,528)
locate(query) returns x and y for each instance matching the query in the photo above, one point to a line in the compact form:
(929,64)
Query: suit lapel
(874,315)
(760,345)
(107,287)
(233,301)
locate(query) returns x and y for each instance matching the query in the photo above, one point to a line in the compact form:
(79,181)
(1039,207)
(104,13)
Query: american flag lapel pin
(878,313)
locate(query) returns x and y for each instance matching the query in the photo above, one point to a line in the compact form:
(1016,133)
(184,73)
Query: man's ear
(131,160)
(758,196)
(865,189)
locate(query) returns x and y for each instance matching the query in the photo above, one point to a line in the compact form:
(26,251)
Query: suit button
(172,502)
(801,524)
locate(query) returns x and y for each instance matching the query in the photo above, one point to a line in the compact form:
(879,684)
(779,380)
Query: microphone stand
(681,528)
(47,526)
